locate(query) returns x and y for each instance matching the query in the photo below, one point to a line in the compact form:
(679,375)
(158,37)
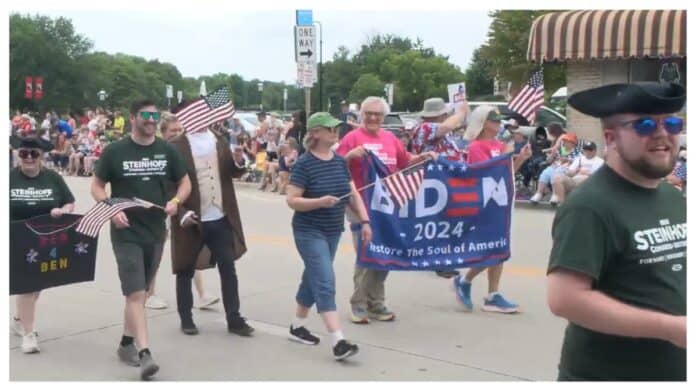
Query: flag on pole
(405,184)
(206,110)
(94,219)
(530,98)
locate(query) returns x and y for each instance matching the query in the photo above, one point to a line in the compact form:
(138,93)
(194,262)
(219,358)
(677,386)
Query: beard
(646,168)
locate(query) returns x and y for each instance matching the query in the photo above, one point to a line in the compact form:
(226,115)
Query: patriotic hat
(639,98)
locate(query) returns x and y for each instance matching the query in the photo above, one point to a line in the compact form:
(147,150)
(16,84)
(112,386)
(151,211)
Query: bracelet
(175,200)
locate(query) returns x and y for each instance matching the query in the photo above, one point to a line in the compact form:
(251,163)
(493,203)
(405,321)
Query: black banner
(47,252)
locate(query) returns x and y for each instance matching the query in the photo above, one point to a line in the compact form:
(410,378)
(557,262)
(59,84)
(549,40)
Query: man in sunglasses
(617,270)
(141,166)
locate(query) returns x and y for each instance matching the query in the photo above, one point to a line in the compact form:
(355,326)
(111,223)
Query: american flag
(530,98)
(94,219)
(404,185)
(206,110)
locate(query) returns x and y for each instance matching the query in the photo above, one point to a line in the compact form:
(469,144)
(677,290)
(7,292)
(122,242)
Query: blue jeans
(550,173)
(318,285)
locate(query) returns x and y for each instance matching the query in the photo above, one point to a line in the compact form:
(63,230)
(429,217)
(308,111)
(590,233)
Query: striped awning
(607,34)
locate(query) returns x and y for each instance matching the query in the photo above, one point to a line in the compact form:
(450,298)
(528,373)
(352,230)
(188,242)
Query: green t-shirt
(145,172)
(632,242)
(38,195)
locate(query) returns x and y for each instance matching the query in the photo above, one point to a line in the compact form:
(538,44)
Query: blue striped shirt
(320,178)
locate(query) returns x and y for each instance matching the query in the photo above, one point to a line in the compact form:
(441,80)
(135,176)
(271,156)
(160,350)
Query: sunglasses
(24,154)
(155,116)
(646,126)
(374,114)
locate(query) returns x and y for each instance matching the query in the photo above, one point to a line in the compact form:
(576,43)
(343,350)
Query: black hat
(640,97)
(588,145)
(30,142)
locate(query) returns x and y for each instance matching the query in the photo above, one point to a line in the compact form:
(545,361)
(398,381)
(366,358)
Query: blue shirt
(320,178)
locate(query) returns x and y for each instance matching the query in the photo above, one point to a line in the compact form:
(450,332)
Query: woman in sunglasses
(30,183)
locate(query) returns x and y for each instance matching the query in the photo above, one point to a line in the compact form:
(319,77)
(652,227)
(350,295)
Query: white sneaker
(17,327)
(30,343)
(554,199)
(536,198)
(155,302)
(207,301)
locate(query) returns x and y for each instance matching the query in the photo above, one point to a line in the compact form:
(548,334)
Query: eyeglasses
(24,154)
(155,116)
(374,114)
(646,126)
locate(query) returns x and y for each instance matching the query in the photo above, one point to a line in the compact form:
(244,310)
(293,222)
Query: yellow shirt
(119,123)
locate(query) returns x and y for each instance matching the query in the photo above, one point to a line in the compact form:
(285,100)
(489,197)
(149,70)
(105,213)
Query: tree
(367,85)
(479,76)
(506,49)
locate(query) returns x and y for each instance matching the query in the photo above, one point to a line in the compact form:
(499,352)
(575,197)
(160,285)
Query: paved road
(432,339)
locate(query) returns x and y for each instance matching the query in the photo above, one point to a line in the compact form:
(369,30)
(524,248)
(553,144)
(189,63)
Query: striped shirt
(320,178)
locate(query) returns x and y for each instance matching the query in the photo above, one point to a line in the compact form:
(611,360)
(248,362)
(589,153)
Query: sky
(259,43)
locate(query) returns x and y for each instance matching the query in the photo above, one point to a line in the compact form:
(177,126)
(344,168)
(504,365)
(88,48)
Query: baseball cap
(589,146)
(478,118)
(571,137)
(322,119)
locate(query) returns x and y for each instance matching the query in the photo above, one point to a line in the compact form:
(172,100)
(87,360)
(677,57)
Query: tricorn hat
(639,97)
(30,142)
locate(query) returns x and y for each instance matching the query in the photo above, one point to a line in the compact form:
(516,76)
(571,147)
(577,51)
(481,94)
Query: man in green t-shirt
(617,270)
(143,166)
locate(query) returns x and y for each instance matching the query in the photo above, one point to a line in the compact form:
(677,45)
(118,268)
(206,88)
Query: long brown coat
(186,243)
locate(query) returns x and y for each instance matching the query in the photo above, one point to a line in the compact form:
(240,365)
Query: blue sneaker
(499,304)
(463,290)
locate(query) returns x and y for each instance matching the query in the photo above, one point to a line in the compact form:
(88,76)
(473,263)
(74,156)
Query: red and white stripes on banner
(94,219)
(198,115)
(404,187)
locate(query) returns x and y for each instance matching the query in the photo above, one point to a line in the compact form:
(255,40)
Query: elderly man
(208,219)
(368,296)
(617,270)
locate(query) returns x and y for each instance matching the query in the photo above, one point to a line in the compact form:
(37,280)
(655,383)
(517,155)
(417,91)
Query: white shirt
(588,165)
(203,143)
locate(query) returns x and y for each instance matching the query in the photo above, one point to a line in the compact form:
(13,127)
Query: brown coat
(186,243)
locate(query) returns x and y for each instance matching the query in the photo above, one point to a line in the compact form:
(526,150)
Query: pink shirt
(385,145)
(483,150)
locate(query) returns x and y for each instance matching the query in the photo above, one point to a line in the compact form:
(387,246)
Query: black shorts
(271,156)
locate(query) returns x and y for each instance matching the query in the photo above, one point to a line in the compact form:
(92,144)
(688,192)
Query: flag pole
(148,204)
(429,158)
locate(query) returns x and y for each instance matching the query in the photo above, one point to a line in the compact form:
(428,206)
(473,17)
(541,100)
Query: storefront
(609,46)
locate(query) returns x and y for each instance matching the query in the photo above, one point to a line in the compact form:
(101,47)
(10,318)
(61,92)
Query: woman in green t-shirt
(34,190)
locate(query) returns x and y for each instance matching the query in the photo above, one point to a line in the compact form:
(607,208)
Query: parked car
(544,117)
(393,124)
(249,121)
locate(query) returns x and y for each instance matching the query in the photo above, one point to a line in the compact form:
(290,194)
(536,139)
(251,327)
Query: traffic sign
(304,18)
(170,91)
(305,44)
(306,75)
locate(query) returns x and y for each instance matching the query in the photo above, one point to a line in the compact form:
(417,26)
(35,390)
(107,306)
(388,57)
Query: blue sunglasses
(646,126)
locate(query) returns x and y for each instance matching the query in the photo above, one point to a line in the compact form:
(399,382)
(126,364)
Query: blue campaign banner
(460,218)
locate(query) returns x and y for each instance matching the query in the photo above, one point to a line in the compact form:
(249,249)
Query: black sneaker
(303,335)
(148,367)
(189,328)
(240,328)
(447,274)
(344,349)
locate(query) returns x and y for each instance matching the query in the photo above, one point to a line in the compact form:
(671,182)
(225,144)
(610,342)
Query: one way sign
(305,44)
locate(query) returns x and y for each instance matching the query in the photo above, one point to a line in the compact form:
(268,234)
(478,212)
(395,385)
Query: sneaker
(207,301)
(30,343)
(447,274)
(344,349)
(499,304)
(303,335)
(17,327)
(148,367)
(240,328)
(381,314)
(536,198)
(554,200)
(188,327)
(128,355)
(155,302)
(462,288)
(358,315)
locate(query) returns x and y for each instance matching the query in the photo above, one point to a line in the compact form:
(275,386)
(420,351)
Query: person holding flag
(34,191)
(368,299)
(142,166)
(482,130)
(319,191)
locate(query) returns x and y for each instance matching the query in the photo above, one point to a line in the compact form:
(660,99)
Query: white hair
(371,100)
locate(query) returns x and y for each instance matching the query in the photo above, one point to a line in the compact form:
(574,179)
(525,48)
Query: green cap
(494,115)
(322,119)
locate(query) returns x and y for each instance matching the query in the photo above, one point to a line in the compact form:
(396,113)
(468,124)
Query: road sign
(304,18)
(305,44)
(305,75)
(170,91)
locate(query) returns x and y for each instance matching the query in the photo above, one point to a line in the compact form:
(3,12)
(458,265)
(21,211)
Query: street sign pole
(307,92)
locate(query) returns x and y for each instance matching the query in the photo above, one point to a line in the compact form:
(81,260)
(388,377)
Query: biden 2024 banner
(460,217)
(47,252)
